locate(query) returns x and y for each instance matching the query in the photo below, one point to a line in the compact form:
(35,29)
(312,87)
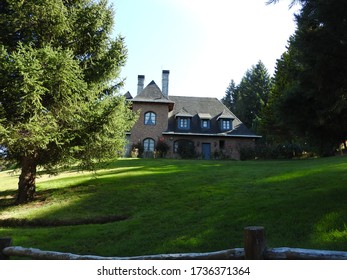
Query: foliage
(137,149)
(313,102)
(273,123)
(186,149)
(248,98)
(161,148)
(282,151)
(178,206)
(247,152)
(253,92)
(230,97)
(59,75)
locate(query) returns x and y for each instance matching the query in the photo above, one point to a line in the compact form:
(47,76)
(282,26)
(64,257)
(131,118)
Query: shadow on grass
(7,199)
(194,207)
(58,223)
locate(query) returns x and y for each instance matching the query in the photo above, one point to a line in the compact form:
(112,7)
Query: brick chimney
(140,83)
(165,82)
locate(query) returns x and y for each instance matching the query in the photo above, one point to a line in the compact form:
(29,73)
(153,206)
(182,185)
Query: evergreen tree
(252,95)
(230,96)
(59,75)
(274,124)
(314,102)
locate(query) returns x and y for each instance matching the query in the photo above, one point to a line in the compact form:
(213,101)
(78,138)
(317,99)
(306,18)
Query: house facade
(190,126)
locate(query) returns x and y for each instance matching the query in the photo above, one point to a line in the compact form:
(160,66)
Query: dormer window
(225,124)
(183,119)
(205,120)
(225,120)
(150,118)
(183,123)
(205,124)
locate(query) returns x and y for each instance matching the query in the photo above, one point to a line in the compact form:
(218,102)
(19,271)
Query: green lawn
(177,206)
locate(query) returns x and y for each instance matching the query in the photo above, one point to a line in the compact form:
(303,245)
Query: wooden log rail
(254,249)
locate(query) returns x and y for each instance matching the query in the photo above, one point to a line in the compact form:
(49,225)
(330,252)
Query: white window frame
(183,123)
(226,124)
(150,118)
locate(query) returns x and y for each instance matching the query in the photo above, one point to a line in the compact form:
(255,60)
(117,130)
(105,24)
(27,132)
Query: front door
(206,151)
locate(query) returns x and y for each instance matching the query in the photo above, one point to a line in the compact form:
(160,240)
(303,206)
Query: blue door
(206,151)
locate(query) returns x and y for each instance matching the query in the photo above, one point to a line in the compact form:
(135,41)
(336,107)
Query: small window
(205,123)
(226,124)
(184,123)
(221,144)
(150,118)
(148,145)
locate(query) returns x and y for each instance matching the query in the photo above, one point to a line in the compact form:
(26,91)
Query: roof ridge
(200,97)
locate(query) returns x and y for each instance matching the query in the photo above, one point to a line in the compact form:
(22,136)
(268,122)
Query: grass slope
(184,206)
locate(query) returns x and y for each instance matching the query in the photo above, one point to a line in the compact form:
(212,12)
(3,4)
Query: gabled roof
(183,113)
(205,116)
(128,95)
(226,114)
(151,93)
(199,108)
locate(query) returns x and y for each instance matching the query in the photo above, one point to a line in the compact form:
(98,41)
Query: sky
(203,43)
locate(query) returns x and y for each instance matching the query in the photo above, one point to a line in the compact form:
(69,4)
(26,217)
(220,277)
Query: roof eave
(211,134)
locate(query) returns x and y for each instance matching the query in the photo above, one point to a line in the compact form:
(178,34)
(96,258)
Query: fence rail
(254,249)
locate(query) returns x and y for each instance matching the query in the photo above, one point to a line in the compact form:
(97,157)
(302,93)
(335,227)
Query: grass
(177,206)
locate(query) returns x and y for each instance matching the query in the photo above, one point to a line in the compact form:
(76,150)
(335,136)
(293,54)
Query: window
(205,123)
(150,118)
(221,144)
(225,124)
(148,145)
(183,123)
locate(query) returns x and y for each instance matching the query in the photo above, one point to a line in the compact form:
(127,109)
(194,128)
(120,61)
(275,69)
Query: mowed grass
(176,206)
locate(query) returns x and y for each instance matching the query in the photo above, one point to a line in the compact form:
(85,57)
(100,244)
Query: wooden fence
(254,249)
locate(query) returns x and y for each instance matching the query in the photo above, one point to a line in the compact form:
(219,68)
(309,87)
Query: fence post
(254,243)
(4,242)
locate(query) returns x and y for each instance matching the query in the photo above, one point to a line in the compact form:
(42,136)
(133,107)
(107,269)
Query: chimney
(165,83)
(140,83)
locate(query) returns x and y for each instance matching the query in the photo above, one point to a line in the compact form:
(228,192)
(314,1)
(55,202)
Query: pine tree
(230,96)
(59,75)
(253,92)
(314,102)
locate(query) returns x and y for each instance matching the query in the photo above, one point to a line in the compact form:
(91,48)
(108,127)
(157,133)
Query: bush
(137,150)
(162,148)
(279,151)
(221,154)
(247,152)
(186,149)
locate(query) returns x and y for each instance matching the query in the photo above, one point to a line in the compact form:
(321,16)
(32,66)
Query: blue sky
(203,43)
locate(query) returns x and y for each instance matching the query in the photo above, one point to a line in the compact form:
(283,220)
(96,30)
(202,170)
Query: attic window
(183,123)
(225,124)
(150,118)
(205,124)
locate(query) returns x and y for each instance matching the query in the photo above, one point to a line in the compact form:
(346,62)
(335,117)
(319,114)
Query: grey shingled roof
(201,107)
(128,95)
(151,93)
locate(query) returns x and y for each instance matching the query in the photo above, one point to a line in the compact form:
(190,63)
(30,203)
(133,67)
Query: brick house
(204,125)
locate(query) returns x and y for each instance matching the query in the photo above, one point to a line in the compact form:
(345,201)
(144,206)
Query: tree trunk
(26,184)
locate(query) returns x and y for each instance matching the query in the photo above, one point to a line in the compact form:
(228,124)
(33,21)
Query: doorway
(206,151)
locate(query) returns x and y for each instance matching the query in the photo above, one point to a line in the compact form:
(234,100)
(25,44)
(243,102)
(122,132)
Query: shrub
(247,152)
(186,149)
(162,148)
(137,150)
